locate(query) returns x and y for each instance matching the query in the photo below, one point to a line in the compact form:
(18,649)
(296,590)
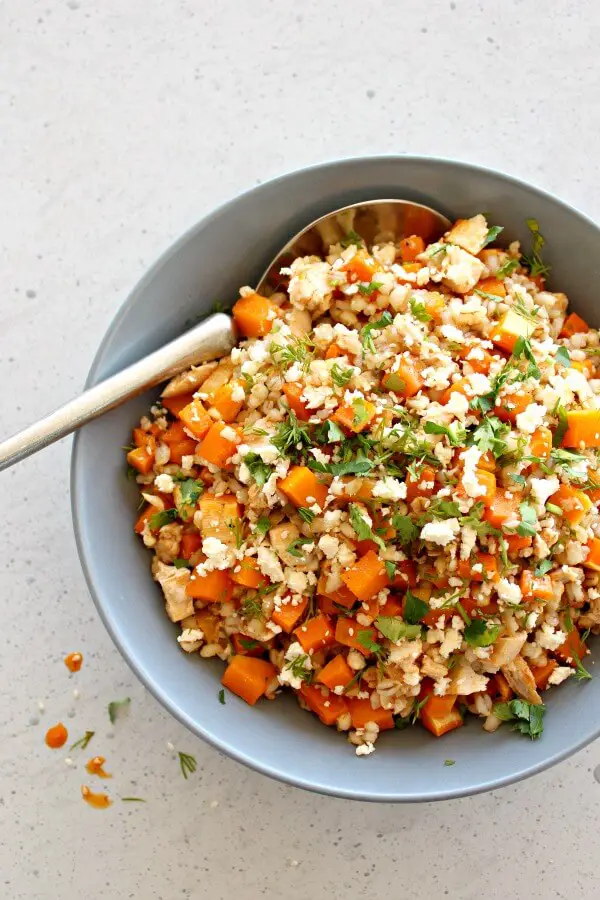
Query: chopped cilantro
(295,548)
(362,528)
(366,334)
(394,629)
(258,469)
(414,608)
(222,696)
(189,491)
(507,268)
(329,433)
(406,530)
(563,423)
(455,432)
(162,518)
(533,261)
(523,348)
(340,376)
(563,357)
(351,238)
(489,435)
(478,634)
(291,436)
(361,413)
(492,234)
(263,525)
(528,718)
(449,762)
(115,707)
(365,639)
(544,566)
(180,563)
(390,569)
(367,289)
(529,521)
(417,308)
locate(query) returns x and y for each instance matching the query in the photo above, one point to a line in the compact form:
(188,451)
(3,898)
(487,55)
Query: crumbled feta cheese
(365,749)
(451,333)
(508,591)
(531,418)
(389,488)
(542,488)
(230,434)
(442,532)
(164,483)
(560,674)
(268,563)
(329,545)
(548,638)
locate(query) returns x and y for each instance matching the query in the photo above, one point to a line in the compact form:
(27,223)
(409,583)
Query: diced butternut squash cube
(511,327)
(248,677)
(583,429)
(219,443)
(302,487)
(195,418)
(366,577)
(254,315)
(228,401)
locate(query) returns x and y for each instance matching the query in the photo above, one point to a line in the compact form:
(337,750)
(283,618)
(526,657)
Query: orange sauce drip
(56,736)
(74,661)
(98,801)
(95,766)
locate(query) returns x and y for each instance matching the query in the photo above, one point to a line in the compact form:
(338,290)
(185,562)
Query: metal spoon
(375,221)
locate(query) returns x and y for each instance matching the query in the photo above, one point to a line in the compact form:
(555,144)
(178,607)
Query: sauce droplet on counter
(56,736)
(74,661)
(98,801)
(95,766)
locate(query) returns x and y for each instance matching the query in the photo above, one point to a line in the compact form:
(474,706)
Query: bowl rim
(79,527)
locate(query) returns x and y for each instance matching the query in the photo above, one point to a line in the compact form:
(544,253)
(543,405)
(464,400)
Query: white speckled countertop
(121,124)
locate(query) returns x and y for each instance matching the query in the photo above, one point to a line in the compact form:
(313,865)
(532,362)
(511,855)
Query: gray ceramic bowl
(229,248)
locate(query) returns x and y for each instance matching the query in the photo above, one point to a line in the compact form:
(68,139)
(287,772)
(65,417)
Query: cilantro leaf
(529,521)
(329,433)
(417,308)
(489,435)
(115,707)
(259,470)
(295,548)
(365,639)
(291,436)
(394,629)
(340,376)
(263,525)
(507,268)
(414,608)
(528,718)
(362,528)
(563,424)
(366,334)
(163,517)
(189,491)
(523,348)
(478,634)
(361,413)
(390,569)
(563,357)
(455,433)
(367,289)
(492,234)
(406,530)
(544,566)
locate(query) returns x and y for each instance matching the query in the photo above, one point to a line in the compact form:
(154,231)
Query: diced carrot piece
(248,677)
(424,485)
(583,429)
(141,460)
(492,286)
(144,439)
(498,686)
(337,673)
(254,315)
(487,480)
(573,324)
(362,712)
(570,646)
(487,462)
(486,568)
(209,623)
(411,247)
(353,419)
(511,405)
(334,350)
(324,703)
(215,586)
(326,605)
(347,631)
(249,574)
(293,393)
(516,542)
(287,615)
(439,715)
(480,360)
(223,401)
(574,504)
(409,267)
(462,386)
(175,433)
(146,515)
(511,327)
(181,449)
(190,544)
(315,633)
(405,380)
(393,606)
(217,449)
(502,508)
(543,673)
(538,588)
(540,444)
(406,575)
(360,267)
(246,646)
(196,419)
(221,517)
(176,404)
(302,487)
(584,365)
(593,558)
(341,595)
(366,577)
(434,306)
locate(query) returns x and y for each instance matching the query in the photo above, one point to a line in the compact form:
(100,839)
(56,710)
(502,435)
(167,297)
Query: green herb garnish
(478,634)
(82,743)
(419,311)
(187,764)
(492,234)
(366,334)
(115,707)
(528,718)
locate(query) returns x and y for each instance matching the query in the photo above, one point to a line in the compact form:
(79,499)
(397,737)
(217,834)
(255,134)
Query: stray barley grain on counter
(386,498)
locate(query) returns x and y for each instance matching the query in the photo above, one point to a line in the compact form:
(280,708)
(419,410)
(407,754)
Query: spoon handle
(211,338)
